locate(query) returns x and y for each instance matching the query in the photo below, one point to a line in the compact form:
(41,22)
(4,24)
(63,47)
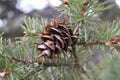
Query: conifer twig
(92,43)
(26,61)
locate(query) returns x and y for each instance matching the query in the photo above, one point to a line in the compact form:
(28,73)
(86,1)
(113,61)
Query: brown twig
(46,64)
(92,43)
(26,61)
(58,64)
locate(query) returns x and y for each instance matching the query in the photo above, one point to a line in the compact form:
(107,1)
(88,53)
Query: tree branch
(92,43)
(27,61)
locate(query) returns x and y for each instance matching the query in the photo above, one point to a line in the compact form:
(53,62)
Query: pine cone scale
(46,52)
(58,47)
(68,41)
(42,46)
(55,31)
(46,37)
(50,44)
(60,40)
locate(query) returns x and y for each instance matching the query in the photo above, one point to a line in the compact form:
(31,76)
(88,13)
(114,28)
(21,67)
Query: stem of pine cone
(77,61)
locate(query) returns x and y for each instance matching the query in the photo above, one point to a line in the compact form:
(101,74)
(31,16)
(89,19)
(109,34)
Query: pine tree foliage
(19,61)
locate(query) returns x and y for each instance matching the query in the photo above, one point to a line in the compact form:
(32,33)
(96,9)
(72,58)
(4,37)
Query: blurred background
(13,12)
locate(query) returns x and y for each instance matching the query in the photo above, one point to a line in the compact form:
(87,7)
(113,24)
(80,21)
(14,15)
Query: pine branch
(92,43)
(44,64)
(58,64)
(26,61)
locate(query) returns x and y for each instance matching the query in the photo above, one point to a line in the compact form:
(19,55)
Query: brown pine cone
(56,39)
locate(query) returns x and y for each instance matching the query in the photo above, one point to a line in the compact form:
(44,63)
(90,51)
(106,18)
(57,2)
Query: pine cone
(56,39)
